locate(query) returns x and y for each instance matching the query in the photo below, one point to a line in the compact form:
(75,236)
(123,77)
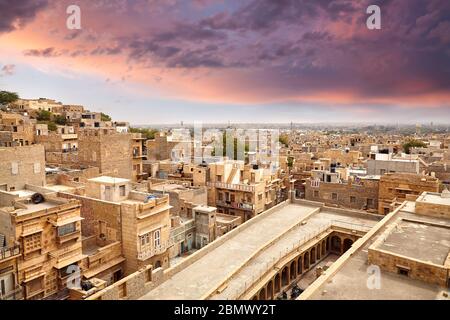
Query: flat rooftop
(166,187)
(420,241)
(31,207)
(209,272)
(109,180)
(224,218)
(59,188)
(434,198)
(350,281)
(22,193)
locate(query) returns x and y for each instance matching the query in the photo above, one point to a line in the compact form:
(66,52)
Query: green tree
(7,97)
(413,143)
(290,162)
(148,134)
(51,126)
(105,117)
(59,119)
(284,140)
(44,115)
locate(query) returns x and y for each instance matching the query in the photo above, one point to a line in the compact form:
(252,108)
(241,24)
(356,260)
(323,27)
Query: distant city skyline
(254,61)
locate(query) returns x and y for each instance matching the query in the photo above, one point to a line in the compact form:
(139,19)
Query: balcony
(149,252)
(69,136)
(69,150)
(15,294)
(67,256)
(8,253)
(236,205)
(231,186)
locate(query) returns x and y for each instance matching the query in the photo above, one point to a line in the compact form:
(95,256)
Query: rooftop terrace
(401,233)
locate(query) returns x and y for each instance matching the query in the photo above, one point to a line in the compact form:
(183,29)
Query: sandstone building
(20,166)
(395,188)
(48,234)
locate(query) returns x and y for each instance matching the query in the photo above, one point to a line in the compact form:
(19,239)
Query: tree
(51,126)
(148,134)
(44,115)
(59,119)
(413,144)
(290,162)
(284,140)
(105,117)
(7,97)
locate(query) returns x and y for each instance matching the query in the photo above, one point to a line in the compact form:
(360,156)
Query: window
(220,196)
(67,229)
(108,193)
(403,271)
(14,168)
(32,242)
(260,196)
(232,198)
(370,203)
(122,190)
(316,194)
(157,236)
(219,178)
(145,239)
(334,196)
(352,199)
(37,167)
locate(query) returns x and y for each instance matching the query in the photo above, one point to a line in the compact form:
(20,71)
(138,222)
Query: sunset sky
(149,61)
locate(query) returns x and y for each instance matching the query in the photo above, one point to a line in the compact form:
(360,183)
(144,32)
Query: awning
(68,262)
(63,222)
(147,230)
(104,266)
(31,231)
(39,275)
(154,211)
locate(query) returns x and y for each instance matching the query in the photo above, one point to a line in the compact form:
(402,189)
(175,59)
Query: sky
(265,61)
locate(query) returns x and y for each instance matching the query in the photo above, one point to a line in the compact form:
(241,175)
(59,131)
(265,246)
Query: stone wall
(131,287)
(29,162)
(96,211)
(349,195)
(397,186)
(419,270)
(110,152)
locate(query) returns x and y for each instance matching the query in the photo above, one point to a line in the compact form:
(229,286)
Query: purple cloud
(45,53)
(15,14)
(7,70)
